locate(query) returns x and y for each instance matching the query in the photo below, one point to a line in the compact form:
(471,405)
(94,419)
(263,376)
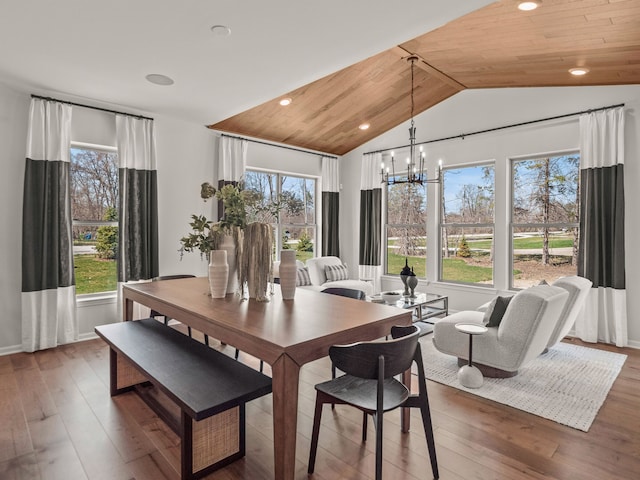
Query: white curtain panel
(330,174)
(49,316)
(232,159)
(136,142)
(370,174)
(604,317)
(370,180)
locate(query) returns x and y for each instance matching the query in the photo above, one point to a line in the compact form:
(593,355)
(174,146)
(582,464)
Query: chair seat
(361,392)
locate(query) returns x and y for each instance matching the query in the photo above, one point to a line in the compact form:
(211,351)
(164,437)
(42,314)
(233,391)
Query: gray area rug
(568,384)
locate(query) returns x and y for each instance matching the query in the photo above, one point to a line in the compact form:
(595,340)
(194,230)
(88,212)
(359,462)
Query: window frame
(94,223)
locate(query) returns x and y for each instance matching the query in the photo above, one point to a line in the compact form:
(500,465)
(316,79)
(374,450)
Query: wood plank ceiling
(496,46)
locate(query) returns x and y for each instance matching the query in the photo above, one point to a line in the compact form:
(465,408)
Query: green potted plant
(226,234)
(205,234)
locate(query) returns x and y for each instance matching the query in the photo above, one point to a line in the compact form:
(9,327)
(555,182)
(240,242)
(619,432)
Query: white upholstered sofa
(317,274)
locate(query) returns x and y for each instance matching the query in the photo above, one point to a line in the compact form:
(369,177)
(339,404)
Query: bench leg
(211,443)
(122,374)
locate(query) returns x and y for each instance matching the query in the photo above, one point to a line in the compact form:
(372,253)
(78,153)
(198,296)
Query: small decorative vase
(412,282)
(228,244)
(218,273)
(404,275)
(288,273)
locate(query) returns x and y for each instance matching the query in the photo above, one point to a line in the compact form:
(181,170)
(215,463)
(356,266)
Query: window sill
(93,299)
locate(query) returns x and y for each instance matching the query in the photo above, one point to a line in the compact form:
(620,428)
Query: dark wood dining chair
(370,387)
(344,292)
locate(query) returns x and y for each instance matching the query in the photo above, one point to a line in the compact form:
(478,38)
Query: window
(94,203)
(406,227)
(467,225)
(287,202)
(545,218)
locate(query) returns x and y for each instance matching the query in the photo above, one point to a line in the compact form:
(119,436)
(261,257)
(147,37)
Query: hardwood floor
(57,421)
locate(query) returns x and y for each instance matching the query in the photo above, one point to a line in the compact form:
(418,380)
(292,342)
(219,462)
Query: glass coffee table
(426,307)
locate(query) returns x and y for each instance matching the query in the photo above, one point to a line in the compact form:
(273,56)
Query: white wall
(474,110)
(14,111)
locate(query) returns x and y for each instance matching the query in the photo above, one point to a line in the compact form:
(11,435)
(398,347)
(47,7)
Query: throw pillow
(336,272)
(302,277)
(495,311)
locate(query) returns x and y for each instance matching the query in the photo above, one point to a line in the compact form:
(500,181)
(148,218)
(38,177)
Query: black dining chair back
(370,386)
(346,292)
(376,359)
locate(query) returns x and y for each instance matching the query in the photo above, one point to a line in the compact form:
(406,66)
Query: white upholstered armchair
(522,334)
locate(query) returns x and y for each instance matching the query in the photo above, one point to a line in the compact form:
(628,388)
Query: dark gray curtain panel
(138,225)
(602,253)
(47,259)
(330,224)
(370,226)
(49,316)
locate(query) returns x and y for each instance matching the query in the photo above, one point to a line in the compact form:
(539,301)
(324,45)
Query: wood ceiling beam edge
(430,69)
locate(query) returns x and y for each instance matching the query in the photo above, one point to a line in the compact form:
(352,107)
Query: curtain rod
(463,135)
(295,149)
(142,117)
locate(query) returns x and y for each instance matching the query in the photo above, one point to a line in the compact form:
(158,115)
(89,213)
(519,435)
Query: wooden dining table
(286,334)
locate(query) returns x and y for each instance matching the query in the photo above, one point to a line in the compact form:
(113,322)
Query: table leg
(127,309)
(285,376)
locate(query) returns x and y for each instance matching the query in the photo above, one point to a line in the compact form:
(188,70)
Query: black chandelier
(415,160)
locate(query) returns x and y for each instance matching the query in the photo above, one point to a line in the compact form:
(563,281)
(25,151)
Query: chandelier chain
(415,163)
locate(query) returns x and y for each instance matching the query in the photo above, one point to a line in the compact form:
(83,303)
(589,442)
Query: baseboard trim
(83,337)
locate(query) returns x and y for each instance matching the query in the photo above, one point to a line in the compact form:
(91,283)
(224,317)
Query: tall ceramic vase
(218,273)
(288,273)
(229,245)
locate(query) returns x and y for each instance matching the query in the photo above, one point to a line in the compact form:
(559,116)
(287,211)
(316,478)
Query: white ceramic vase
(218,273)
(228,244)
(288,271)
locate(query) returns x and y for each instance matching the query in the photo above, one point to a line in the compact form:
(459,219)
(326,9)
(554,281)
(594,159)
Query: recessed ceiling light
(285,101)
(528,6)
(578,71)
(364,126)
(221,30)
(159,79)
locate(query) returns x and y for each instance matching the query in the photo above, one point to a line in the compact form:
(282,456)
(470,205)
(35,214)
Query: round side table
(469,375)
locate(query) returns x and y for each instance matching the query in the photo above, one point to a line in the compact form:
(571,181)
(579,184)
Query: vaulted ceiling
(495,46)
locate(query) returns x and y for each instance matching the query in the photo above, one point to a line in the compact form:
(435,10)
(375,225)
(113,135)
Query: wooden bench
(207,389)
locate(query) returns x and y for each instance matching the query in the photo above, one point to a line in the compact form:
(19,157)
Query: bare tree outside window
(406,227)
(545,218)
